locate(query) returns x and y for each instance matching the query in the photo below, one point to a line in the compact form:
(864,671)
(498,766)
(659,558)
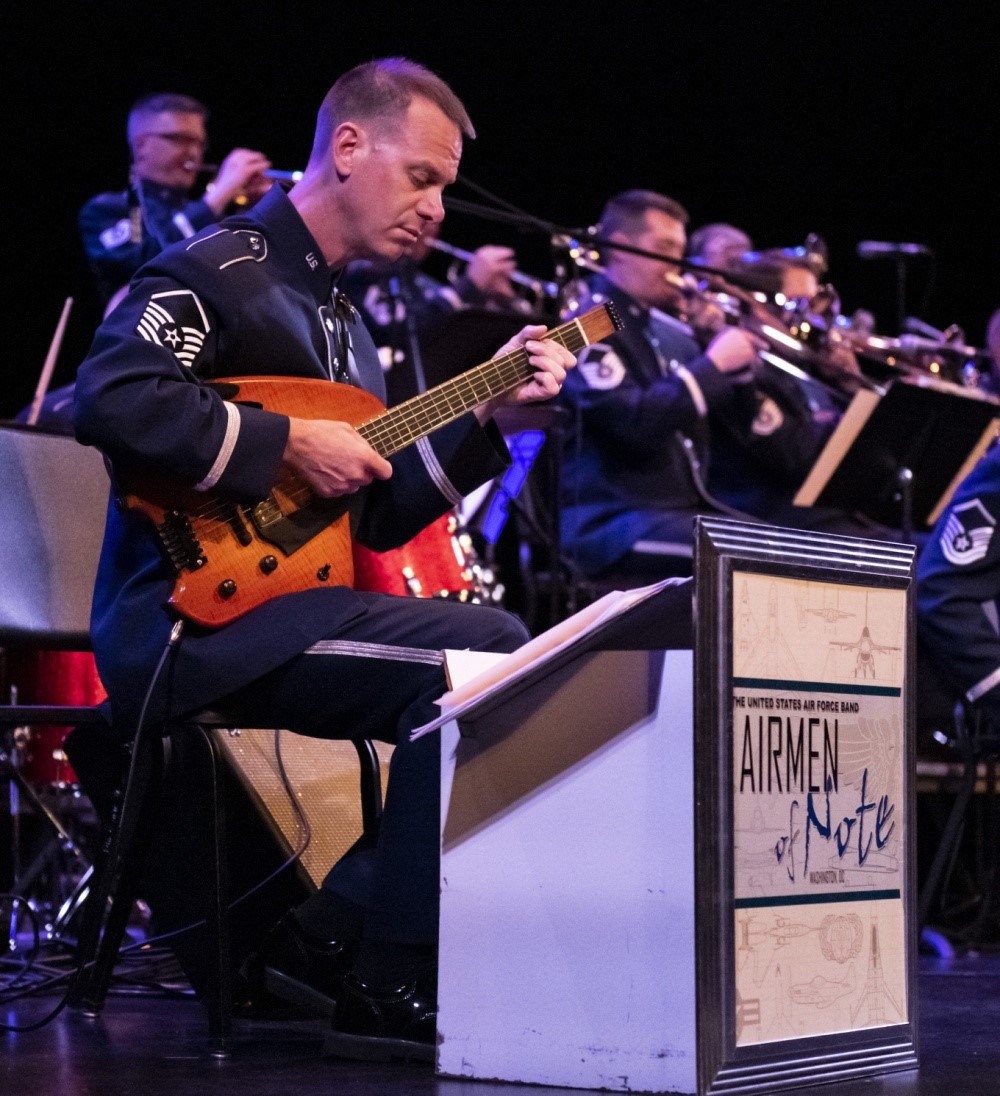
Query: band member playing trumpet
(167,139)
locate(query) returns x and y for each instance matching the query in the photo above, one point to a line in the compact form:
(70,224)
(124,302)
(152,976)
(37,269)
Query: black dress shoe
(377,1025)
(299,968)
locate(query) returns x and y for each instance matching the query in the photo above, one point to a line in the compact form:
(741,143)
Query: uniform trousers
(378,677)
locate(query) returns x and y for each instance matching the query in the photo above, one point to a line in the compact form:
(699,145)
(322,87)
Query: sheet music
(843,437)
(538,651)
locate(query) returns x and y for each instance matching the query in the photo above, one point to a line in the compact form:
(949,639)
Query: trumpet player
(167,138)
(400,302)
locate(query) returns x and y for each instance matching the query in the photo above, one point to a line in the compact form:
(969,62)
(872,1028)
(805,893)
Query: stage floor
(157,1045)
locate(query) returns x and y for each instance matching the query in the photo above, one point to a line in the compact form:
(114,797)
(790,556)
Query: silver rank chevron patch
(176,321)
(967,533)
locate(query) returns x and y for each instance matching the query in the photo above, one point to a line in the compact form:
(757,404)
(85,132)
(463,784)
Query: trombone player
(626,484)
(671,421)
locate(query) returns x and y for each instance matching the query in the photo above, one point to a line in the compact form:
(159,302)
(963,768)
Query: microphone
(283,176)
(915,326)
(880,249)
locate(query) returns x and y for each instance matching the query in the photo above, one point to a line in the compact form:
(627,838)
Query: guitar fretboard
(423,414)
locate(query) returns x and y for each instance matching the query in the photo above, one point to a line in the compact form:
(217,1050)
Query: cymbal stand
(20,879)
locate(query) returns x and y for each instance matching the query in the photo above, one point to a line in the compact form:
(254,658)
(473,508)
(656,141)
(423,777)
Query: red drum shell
(433,564)
(52,677)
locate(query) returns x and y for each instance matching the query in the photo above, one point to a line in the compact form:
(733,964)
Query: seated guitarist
(256,295)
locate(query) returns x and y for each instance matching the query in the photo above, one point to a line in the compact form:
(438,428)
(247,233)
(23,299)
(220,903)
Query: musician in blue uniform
(638,397)
(958,589)
(167,139)
(672,421)
(256,294)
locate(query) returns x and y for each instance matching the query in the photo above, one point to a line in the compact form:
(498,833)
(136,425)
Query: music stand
(898,456)
(470,336)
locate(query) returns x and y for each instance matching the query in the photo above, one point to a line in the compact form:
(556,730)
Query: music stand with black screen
(898,455)
(471,336)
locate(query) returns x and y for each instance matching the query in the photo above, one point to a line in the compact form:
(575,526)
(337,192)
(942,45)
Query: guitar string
(507,372)
(387,427)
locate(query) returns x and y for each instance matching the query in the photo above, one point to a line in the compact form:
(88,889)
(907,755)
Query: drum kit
(52,825)
(440,561)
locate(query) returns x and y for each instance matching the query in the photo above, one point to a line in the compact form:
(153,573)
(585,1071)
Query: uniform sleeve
(106,234)
(637,418)
(429,478)
(142,399)
(958,585)
(777,426)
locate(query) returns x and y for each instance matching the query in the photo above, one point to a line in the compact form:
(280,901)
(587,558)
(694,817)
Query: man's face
(397,179)
(725,247)
(169,148)
(647,279)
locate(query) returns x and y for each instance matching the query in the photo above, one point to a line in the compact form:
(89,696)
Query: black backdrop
(853,120)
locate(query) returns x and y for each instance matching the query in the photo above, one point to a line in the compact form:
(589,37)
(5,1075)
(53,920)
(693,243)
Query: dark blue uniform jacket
(120,233)
(958,588)
(629,396)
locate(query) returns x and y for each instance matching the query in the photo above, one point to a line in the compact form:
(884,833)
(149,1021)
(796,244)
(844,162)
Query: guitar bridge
(290,531)
(180,543)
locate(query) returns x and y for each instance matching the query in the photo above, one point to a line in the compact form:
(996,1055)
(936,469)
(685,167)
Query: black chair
(54,496)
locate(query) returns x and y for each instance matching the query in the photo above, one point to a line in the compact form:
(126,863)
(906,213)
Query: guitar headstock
(599,322)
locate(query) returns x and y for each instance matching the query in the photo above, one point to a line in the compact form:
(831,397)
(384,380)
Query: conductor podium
(678,861)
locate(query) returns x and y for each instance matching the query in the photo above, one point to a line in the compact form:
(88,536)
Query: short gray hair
(162,102)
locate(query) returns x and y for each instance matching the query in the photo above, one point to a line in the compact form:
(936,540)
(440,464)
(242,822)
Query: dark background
(853,120)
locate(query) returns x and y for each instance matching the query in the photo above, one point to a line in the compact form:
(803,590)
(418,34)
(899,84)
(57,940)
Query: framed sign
(804,816)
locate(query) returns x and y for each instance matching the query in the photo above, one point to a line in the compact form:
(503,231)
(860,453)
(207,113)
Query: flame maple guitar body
(230,558)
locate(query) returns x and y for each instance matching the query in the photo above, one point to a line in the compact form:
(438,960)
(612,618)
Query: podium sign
(804,655)
(666,873)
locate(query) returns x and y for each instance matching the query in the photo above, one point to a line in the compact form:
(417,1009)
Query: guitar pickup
(238,525)
(290,531)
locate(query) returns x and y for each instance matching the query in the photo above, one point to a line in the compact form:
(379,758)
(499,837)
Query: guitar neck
(408,422)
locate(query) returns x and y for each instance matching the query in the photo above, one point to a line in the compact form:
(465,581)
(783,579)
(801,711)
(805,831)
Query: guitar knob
(268,564)
(227,588)
(324,572)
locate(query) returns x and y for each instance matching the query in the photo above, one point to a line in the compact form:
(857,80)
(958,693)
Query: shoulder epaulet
(223,247)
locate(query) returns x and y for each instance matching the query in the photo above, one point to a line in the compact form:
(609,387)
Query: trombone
(536,287)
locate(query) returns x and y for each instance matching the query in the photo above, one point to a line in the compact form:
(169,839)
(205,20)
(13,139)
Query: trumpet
(537,286)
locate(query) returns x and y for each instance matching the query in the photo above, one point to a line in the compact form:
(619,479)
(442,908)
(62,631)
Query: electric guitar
(229,558)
